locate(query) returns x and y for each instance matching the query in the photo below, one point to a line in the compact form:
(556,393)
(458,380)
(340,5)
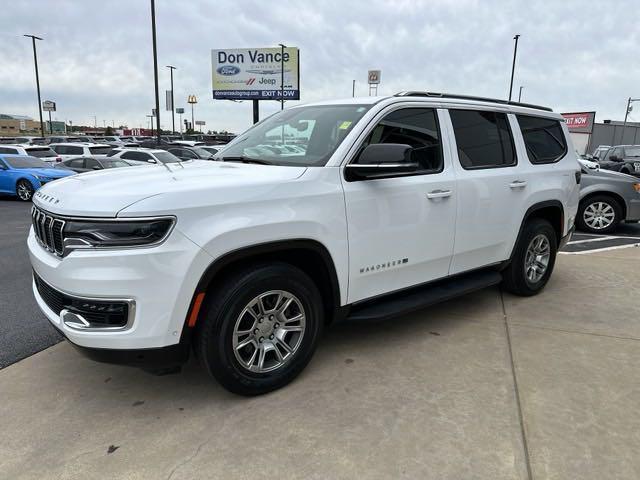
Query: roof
(8,116)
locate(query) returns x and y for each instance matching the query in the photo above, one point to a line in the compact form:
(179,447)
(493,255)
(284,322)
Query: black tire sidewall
(599,198)
(29,185)
(216,348)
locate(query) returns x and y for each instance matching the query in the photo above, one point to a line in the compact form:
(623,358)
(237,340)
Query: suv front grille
(98,313)
(48,230)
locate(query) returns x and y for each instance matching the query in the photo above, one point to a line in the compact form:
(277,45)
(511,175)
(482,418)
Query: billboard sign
(180,110)
(581,122)
(255,74)
(374,77)
(200,122)
(49,106)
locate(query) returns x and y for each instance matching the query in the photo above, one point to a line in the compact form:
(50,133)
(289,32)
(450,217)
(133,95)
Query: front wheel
(24,190)
(533,259)
(261,328)
(599,214)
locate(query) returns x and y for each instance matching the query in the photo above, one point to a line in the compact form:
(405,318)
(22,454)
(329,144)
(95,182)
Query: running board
(418,298)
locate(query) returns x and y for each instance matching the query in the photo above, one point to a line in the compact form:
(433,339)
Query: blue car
(22,175)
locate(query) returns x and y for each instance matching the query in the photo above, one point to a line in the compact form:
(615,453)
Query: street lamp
(513,66)
(282,47)
(155,65)
(173,108)
(626,114)
(520,94)
(35,61)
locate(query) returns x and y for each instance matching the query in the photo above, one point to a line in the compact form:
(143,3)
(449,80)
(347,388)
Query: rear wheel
(533,259)
(24,190)
(599,214)
(261,328)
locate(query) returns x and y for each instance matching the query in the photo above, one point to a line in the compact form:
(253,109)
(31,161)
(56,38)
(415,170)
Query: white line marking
(599,239)
(604,249)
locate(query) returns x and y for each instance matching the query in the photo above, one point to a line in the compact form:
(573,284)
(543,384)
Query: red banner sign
(580,122)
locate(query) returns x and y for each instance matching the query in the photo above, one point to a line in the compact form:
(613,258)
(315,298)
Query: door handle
(439,194)
(518,184)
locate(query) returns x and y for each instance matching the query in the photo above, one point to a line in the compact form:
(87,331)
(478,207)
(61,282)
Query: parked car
(143,155)
(607,198)
(599,152)
(63,139)
(623,159)
(213,150)
(116,141)
(88,164)
(22,175)
(187,143)
(40,151)
(588,164)
(191,153)
(246,259)
(75,150)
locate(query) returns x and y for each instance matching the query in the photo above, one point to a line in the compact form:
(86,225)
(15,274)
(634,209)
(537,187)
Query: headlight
(79,234)
(636,187)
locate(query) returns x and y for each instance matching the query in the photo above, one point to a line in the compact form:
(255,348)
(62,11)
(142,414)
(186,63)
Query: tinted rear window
(99,150)
(484,139)
(41,152)
(543,138)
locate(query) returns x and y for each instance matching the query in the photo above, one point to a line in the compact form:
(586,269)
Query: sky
(96,56)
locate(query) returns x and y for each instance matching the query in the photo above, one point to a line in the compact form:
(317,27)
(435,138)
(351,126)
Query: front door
(401,229)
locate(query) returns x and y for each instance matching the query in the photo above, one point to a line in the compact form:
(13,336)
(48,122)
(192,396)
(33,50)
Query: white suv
(80,149)
(43,152)
(391,204)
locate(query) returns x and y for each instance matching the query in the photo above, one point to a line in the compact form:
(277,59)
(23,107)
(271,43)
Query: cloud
(96,58)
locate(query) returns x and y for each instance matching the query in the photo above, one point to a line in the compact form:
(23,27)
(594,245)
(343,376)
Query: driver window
(416,127)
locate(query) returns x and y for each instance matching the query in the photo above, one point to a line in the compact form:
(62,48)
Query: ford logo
(228,70)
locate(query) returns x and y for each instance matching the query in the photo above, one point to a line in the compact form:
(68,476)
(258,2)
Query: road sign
(200,122)
(49,106)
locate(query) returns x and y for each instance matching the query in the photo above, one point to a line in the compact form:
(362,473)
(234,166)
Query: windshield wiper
(246,160)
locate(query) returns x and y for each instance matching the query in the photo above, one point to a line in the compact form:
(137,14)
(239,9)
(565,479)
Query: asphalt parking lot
(486,386)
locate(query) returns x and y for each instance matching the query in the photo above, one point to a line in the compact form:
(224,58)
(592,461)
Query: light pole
(155,66)
(192,100)
(626,114)
(353,89)
(95,122)
(520,94)
(35,61)
(173,108)
(513,66)
(282,47)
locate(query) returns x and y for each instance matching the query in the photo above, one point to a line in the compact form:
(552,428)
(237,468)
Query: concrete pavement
(483,387)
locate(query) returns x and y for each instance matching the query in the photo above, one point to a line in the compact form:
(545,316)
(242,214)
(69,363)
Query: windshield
(304,136)
(42,152)
(632,151)
(99,150)
(25,162)
(166,157)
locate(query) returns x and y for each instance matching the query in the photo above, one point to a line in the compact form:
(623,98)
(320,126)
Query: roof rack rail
(470,97)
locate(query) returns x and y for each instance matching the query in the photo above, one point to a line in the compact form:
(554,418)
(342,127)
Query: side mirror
(151,160)
(381,160)
(96,168)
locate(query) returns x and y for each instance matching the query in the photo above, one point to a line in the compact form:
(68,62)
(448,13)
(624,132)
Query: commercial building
(12,125)
(587,135)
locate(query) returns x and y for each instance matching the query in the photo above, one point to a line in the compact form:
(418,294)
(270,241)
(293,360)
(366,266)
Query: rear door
(492,187)
(401,229)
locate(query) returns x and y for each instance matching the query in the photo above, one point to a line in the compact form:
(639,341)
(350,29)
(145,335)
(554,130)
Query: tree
(108,131)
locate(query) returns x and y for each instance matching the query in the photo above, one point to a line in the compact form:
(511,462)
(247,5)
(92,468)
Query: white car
(187,143)
(80,149)
(144,155)
(396,203)
(43,152)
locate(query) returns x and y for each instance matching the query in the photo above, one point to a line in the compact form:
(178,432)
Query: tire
(24,190)
(227,311)
(516,277)
(588,219)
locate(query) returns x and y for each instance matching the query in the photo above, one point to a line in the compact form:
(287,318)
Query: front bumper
(633,210)
(159,280)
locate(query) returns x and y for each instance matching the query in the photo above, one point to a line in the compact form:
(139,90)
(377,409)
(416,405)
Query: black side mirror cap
(381,160)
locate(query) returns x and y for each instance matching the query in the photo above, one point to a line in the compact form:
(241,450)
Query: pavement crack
(188,460)
(525,445)
(577,332)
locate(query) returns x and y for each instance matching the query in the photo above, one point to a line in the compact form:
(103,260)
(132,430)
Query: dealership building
(587,135)
(13,125)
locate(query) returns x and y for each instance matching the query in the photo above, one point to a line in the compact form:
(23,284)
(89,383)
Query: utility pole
(173,108)
(626,114)
(513,66)
(282,47)
(35,61)
(353,89)
(155,67)
(520,94)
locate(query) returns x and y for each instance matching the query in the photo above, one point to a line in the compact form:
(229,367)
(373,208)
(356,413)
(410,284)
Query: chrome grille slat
(48,230)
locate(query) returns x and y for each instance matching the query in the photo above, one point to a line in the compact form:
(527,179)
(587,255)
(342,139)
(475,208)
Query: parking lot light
(155,66)
(513,65)
(35,61)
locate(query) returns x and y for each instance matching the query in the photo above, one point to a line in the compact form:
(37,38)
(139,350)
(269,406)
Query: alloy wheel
(537,258)
(268,331)
(599,215)
(24,191)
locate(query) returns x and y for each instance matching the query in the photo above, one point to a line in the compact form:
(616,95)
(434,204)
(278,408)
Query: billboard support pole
(50,124)
(256,111)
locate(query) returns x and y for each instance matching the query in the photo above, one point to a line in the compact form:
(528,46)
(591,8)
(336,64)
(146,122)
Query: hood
(48,172)
(104,193)
(611,174)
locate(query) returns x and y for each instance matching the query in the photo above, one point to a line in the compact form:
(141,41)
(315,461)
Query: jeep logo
(228,70)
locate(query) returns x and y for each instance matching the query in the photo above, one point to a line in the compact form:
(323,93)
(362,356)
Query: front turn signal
(636,187)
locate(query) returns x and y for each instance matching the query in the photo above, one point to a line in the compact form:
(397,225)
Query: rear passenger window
(543,138)
(417,127)
(483,138)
